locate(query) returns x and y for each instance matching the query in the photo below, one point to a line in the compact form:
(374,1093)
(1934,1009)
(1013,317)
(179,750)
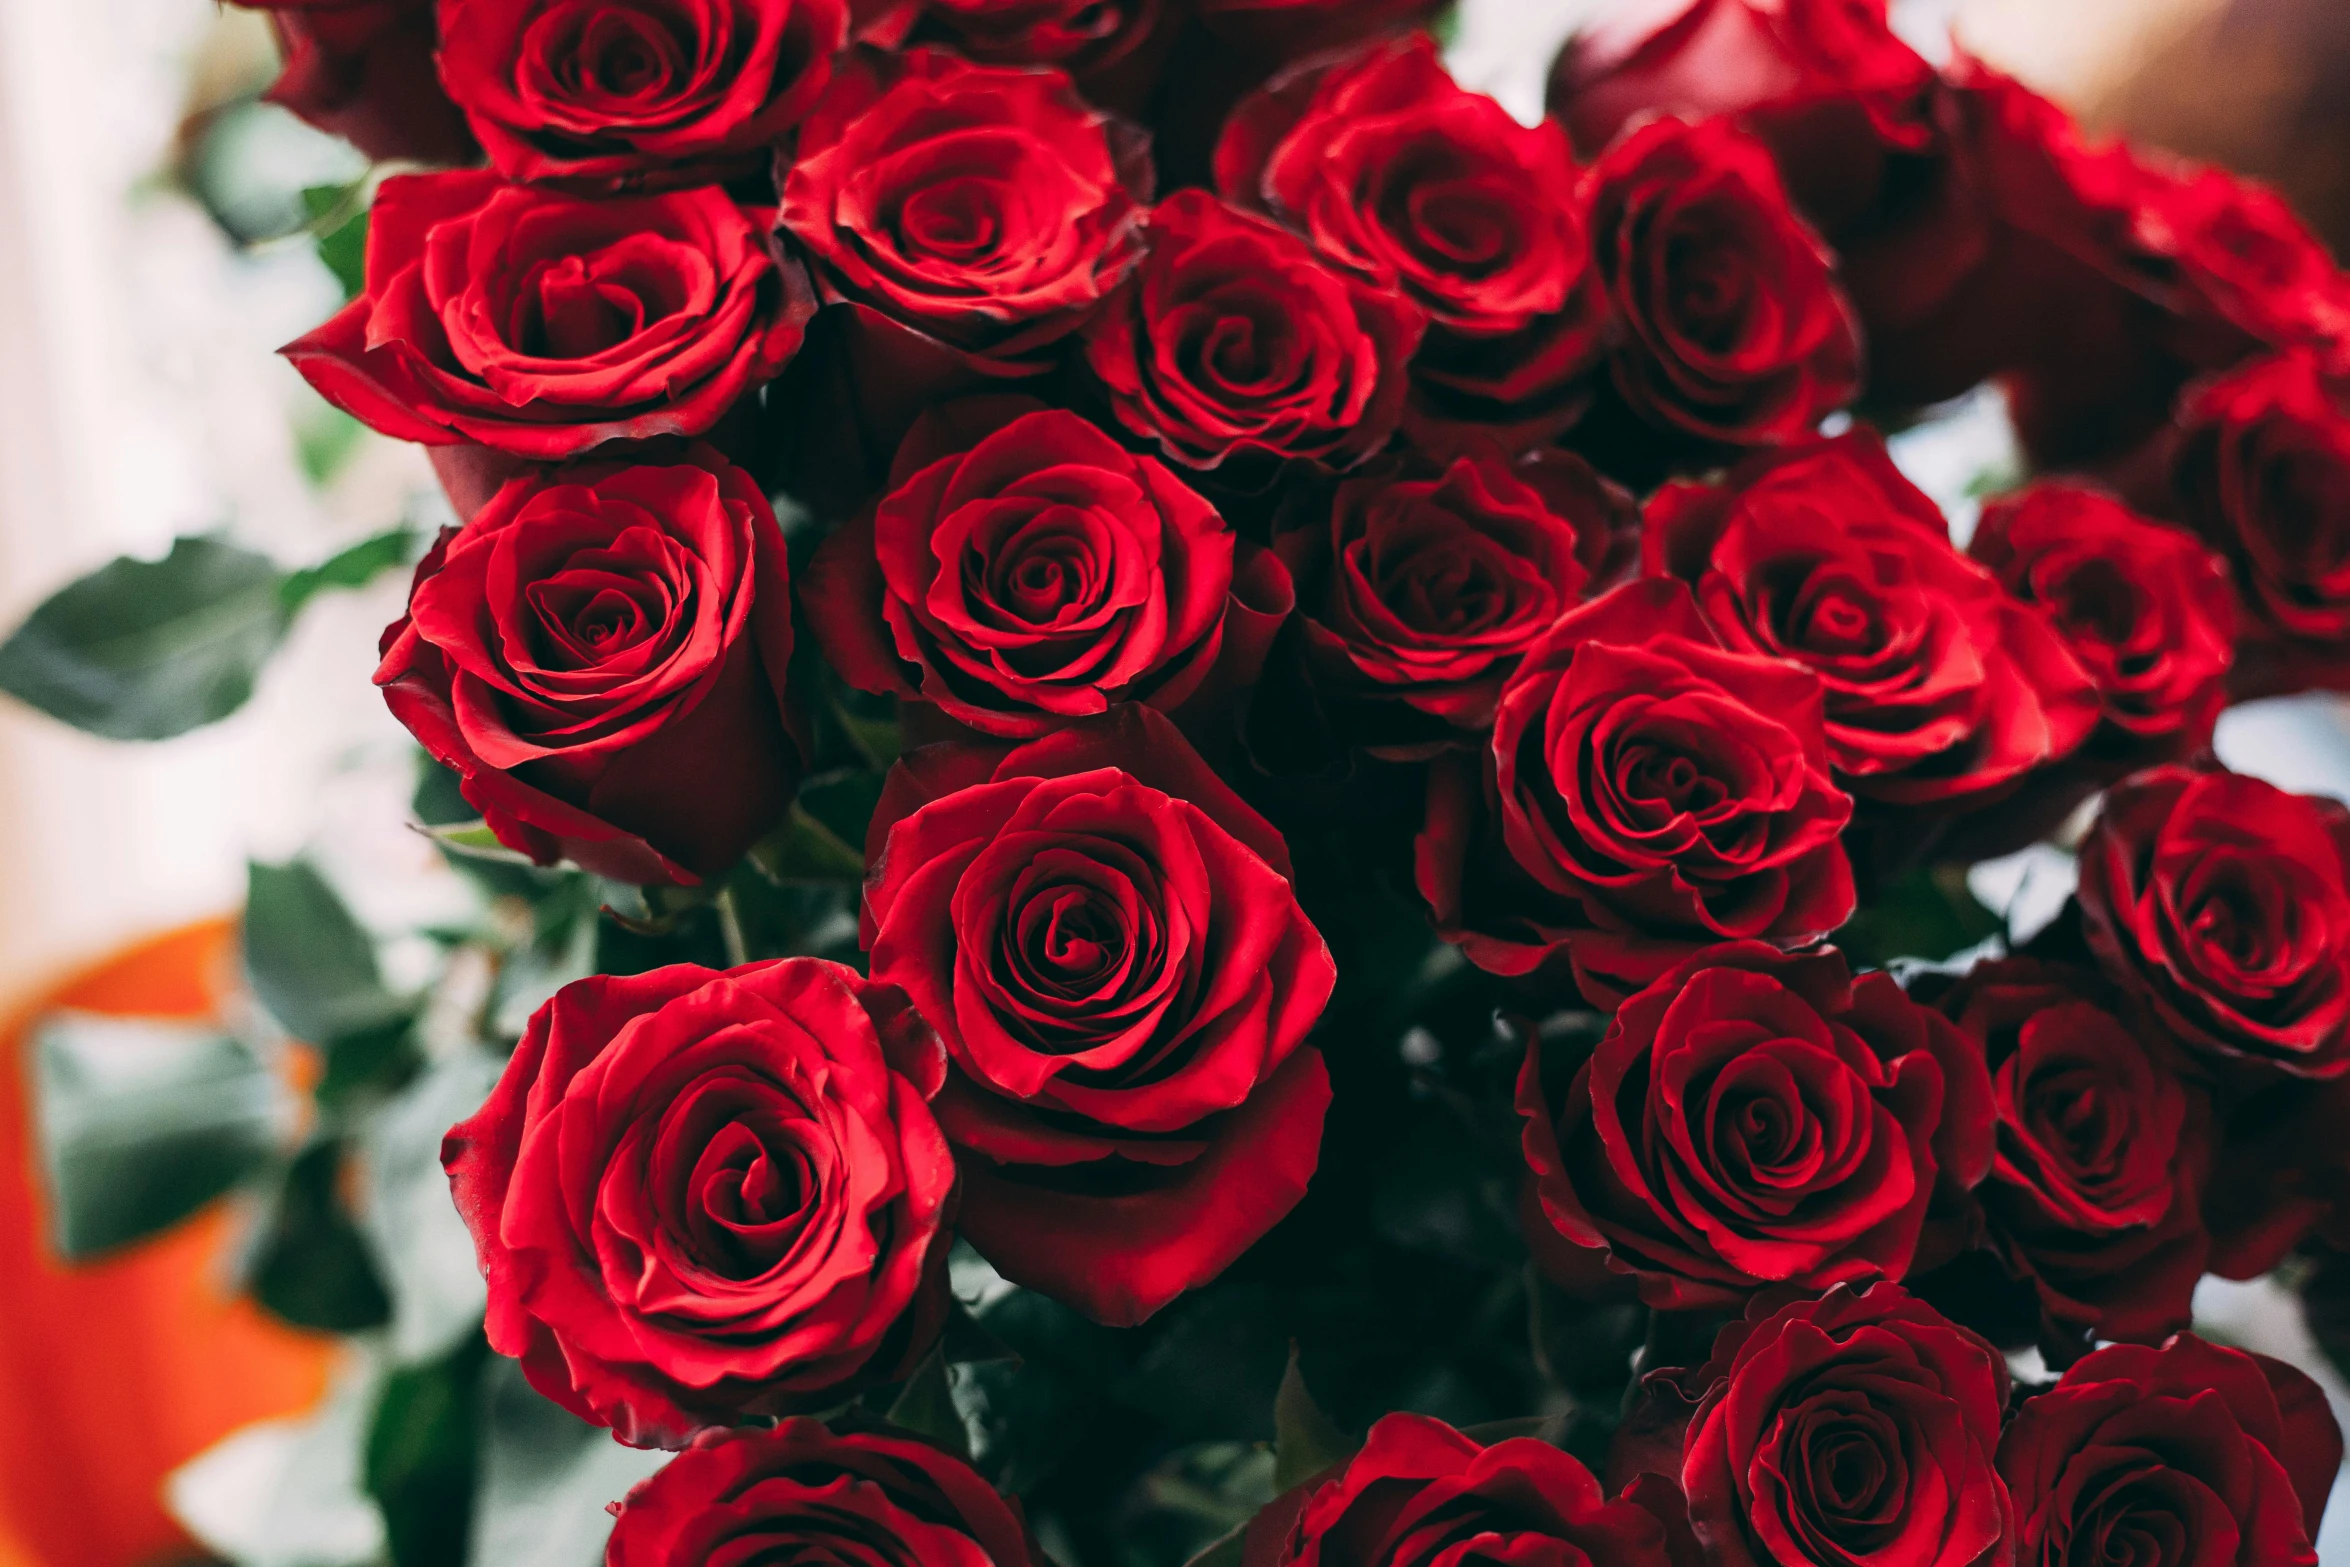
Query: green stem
(730,929)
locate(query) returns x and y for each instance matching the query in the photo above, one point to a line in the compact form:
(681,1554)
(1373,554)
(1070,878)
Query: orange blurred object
(115,1373)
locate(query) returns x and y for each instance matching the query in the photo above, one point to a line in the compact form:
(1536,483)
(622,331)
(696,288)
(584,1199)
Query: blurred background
(156,247)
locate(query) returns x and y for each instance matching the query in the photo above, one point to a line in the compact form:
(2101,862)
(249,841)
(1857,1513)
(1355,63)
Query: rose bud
(542,325)
(799,1493)
(599,655)
(2187,1453)
(1232,341)
(960,222)
(1420,587)
(363,70)
(1421,1494)
(1112,49)
(1855,1427)
(702,1199)
(2103,1142)
(1109,942)
(1399,177)
(2260,467)
(599,96)
(2223,904)
(1943,689)
(1025,570)
(1753,1118)
(1646,793)
(1730,330)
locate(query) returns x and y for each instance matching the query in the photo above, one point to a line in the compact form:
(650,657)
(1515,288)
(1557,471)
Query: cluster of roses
(1291,450)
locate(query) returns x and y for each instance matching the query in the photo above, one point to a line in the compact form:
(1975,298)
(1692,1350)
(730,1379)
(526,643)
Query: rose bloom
(1753,1118)
(1942,688)
(1421,1494)
(2103,1145)
(2187,1453)
(542,324)
(1112,49)
(605,96)
(2143,608)
(1108,940)
(1853,1427)
(703,1198)
(1419,588)
(363,70)
(1647,792)
(1025,570)
(1233,340)
(2223,904)
(2260,467)
(799,1493)
(599,655)
(1396,175)
(1730,329)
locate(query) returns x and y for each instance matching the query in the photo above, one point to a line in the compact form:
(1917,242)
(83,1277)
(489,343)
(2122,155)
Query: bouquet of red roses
(1179,740)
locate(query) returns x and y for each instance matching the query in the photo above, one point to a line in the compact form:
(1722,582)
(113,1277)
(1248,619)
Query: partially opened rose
(2223,903)
(599,655)
(1233,340)
(543,325)
(1108,940)
(363,70)
(1399,176)
(1646,793)
(800,1493)
(1942,688)
(703,1198)
(1754,1118)
(605,96)
(1855,1427)
(1025,570)
(2187,1453)
(1421,1494)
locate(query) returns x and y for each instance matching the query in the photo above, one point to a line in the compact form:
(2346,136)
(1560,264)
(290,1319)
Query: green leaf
(422,1455)
(475,841)
(310,963)
(878,738)
(926,1406)
(145,650)
(338,222)
(1928,914)
(141,1123)
(325,438)
(1224,1553)
(965,1341)
(354,567)
(1305,1440)
(843,805)
(803,849)
(309,1265)
(546,1477)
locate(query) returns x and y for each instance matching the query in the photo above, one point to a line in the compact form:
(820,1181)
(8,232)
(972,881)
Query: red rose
(2102,1147)
(1025,570)
(1942,688)
(1422,587)
(1108,940)
(2144,608)
(2260,467)
(599,654)
(1856,1427)
(1755,1118)
(800,1493)
(1291,29)
(1232,340)
(2223,903)
(1399,177)
(703,1198)
(363,70)
(1646,793)
(542,324)
(1730,328)
(604,96)
(1112,49)
(1421,1494)
(2187,1453)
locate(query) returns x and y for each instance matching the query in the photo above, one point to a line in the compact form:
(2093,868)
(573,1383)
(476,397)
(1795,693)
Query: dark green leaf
(309,1265)
(142,1123)
(803,849)
(843,803)
(344,250)
(966,1342)
(1224,1553)
(325,438)
(354,567)
(475,841)
(545,1478)
(1305,1440)
(310,963)
(422,1456)
(926,1406)
(144,650)
(1928,914)
(877,738)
